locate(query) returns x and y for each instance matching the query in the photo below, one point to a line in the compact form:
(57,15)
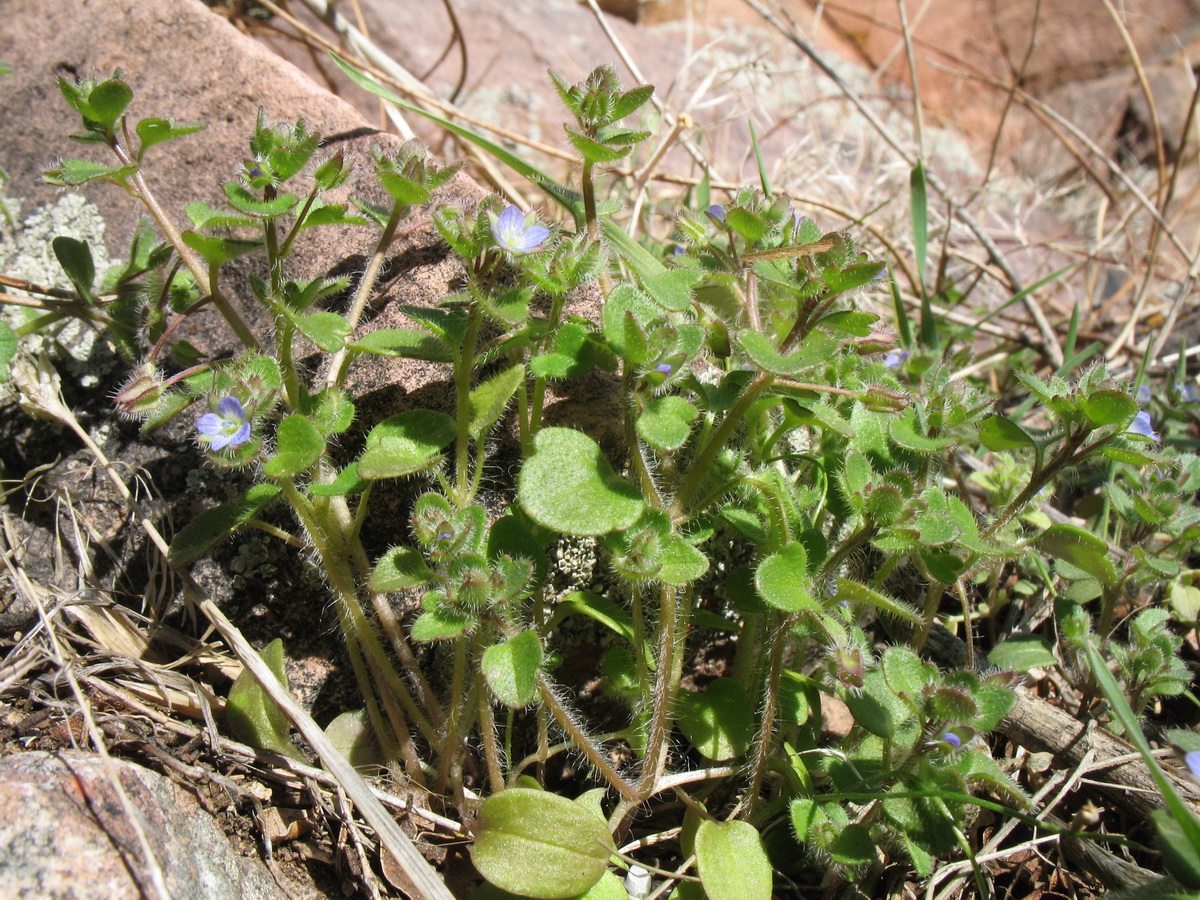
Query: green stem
(779,642)
(239,326)
(701,466)
(487,728)
(589,202)
(580,739)
(451,745)
(670,667)
(464,368)
(336,373)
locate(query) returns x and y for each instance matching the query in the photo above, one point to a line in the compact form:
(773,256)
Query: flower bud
(141,393)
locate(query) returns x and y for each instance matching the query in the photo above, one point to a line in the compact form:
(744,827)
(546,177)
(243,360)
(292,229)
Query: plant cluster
(761,406)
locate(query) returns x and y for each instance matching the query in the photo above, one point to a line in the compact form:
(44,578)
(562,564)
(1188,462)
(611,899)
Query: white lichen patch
(28,254)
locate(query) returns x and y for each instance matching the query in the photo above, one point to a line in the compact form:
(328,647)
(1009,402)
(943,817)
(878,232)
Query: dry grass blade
(1045,330)
(39,390)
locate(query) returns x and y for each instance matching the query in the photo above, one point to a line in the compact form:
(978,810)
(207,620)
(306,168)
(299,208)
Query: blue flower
(952,739)
(1189,394)
(227,427)
(1143,394)
(1142,426)
(717,211)
(895,359)
(1193,762)
(516,232)
(665,368)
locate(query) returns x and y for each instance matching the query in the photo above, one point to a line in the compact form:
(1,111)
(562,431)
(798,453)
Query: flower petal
(209,423)
(231,408)
(219,441)
(240,436)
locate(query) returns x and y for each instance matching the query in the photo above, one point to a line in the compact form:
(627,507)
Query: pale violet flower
(1193,762)
(717,211)
(952,739)
(895,359)
(227,427)
(1142,426)
(1189,394)
(665,368)
(1143,394)
(517,233)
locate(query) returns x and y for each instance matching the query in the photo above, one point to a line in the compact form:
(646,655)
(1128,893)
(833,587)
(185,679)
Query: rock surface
(64,833)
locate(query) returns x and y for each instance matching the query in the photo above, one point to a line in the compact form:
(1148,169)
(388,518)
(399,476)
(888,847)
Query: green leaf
(681,562)
(627,301)
(488,400)
(816,349)
(204,216)
(347,482)
(107,101)
(732,862)
(245,202)
(440,624)
(854,846)
(325,329)
(537,844)
(219,250)
(512,668)
(847,278)
(253,716)
(214,525)
(1180,856)
(351,734)
(998,433)
(1081,549)
(720,721)
(595,606)
(156,131)
(745,223)
(672,289)
(408,343)
(1108,408)
(406,443)
(400,568)
(876,707)
(593,151)
(299,446)
(75,257)
(568,485)
(8,348)
(856,592)
(666,422)
(74,172)
(782,580)
(1022,652)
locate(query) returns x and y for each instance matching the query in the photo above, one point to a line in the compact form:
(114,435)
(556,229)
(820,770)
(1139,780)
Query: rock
(65,833)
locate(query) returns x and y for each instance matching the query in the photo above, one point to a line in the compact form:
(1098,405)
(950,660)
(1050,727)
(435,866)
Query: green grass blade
(1188,821)
(762,167)
(919,201)
(556,190)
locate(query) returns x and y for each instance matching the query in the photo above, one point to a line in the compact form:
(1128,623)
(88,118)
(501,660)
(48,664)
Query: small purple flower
(517,233)
(1143,394)
(1189,394)
(678,250)
(1192,759)
(1142,426)
(952,739)
(717,211)
(895,359)
(665,368)
(444,536)
(227,427)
